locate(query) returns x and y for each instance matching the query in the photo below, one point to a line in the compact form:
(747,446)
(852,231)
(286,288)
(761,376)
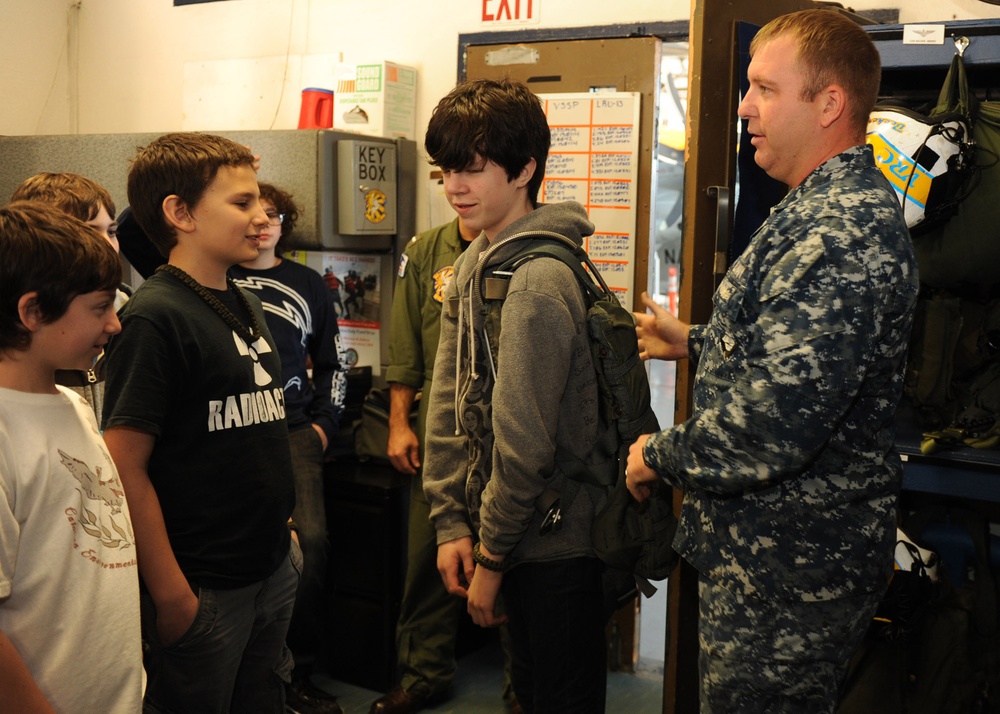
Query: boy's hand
(483,591)
(456,566)
(175,618)
(322,436)
(256,160)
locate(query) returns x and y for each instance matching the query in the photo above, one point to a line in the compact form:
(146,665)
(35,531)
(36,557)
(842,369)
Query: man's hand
(256,159)
(404,449)
(638,476)
(456,566)
(661,335)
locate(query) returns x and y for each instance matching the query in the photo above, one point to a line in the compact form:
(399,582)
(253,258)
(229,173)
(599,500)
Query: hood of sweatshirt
(561,221)
(565,222)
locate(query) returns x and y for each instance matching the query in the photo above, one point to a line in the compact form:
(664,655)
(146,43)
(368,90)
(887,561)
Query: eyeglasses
(275,219)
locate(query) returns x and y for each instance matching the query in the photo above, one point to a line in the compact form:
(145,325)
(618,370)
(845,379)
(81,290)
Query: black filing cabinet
(366,507)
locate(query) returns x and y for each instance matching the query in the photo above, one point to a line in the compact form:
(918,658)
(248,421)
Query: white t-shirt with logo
(69,586)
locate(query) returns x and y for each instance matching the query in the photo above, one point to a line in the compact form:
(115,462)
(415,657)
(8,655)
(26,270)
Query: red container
(317,108)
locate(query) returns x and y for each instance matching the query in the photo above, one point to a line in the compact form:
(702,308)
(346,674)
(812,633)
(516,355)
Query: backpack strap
(494,289)
(495,285)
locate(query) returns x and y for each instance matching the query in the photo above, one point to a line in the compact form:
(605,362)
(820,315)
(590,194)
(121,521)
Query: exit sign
(511,12)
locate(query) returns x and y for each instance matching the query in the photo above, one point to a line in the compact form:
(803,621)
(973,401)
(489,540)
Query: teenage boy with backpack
(494,427)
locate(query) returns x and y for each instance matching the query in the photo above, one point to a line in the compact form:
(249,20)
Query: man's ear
(30,311)
(176,212)
(834,104)
(526,173)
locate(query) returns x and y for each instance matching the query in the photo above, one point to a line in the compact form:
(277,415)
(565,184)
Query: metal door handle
(722,229)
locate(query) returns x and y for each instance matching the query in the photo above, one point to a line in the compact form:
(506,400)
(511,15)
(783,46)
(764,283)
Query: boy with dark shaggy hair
(195,419)
(494,429)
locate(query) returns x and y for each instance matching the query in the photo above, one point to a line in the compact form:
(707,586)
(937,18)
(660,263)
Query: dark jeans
(233,657)
(308,619)
(558,650)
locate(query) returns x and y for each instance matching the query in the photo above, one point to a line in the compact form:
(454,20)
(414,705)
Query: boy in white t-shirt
(87,200)
(69,595)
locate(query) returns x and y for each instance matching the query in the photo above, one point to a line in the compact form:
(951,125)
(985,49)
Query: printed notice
(353,281)
(594,160)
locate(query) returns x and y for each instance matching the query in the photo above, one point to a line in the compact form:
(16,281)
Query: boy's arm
(20,692)
(176,604)
(329,376)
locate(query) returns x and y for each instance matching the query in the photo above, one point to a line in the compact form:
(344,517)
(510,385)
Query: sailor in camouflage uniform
(787,463)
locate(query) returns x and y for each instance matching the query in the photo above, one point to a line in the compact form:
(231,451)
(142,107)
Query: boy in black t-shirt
(194,419)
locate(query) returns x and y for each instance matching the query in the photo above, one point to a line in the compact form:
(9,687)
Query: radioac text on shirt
(246,409)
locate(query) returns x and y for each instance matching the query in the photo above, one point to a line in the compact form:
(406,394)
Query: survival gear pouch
(956,169)
(371,435)
(953,377)
(962,254)
(627,536)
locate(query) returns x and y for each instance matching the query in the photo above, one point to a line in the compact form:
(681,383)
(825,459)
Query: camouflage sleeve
(783,358)
(696,340)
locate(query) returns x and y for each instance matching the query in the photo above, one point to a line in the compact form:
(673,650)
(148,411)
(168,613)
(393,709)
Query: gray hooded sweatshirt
(492,433)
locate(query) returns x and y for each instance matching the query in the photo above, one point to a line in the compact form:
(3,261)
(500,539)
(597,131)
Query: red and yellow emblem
(374,206)
(441,279)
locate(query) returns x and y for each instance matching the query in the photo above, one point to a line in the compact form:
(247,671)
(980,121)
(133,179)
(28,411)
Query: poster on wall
(594,160)
(353,281)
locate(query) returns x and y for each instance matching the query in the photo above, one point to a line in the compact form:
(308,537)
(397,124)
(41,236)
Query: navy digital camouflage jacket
(787,462)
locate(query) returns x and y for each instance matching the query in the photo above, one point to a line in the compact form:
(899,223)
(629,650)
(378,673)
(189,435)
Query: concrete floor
(479,681)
